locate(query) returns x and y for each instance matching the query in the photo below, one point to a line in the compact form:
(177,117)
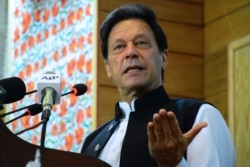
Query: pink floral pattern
(54,36)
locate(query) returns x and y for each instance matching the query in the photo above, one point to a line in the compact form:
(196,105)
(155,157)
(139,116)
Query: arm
(213,145)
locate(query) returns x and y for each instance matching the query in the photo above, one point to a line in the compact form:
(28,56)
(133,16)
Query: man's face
(134,61)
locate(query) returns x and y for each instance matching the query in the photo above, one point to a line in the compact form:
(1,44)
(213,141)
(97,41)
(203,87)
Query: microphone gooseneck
(33,109)
(32,127)
(48,99)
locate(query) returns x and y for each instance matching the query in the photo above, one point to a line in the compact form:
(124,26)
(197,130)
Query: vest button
(97,147)
(110,127)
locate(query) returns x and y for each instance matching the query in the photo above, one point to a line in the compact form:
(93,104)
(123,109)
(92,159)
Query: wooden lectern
(15,152)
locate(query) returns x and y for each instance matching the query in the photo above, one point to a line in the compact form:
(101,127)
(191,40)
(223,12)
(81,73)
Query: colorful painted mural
(54,36)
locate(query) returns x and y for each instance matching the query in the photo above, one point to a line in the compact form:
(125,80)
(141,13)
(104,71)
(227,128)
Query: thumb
(194,131)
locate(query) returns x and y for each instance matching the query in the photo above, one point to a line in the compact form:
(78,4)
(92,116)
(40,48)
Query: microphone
(33,109)
(30,107)
(11,89)
(48,89)
(3,95)
(77,90)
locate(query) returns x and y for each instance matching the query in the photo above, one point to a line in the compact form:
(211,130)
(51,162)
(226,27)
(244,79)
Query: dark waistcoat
(134,151)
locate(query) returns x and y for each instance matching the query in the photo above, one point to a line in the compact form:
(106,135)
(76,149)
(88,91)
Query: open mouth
(133,68)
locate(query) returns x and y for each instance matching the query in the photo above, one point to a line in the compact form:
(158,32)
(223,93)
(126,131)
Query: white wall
(3,35)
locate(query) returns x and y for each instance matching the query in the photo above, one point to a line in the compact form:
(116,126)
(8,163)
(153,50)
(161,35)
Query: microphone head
(49,80)
(15,89)
(35,109)
(79,89)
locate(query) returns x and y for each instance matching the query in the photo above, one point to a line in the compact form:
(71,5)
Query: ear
(164,59)
(108,70)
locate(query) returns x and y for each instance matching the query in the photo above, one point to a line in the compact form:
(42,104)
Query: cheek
(156,66)
(116,60)
(114,65)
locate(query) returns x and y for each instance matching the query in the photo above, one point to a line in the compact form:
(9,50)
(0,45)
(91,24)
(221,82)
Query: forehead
(130,27)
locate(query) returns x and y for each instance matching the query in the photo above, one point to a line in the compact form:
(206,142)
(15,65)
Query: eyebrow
(140,35)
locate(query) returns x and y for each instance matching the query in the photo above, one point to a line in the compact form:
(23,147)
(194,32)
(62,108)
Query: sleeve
(213,145)
(183,163)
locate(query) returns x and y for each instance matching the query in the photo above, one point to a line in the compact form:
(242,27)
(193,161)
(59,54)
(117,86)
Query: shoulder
(187,107)
(186,111)
(186,102)
(209,112)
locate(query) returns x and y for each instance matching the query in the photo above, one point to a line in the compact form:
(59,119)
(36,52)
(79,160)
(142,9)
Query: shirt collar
(149,102)
(126,108)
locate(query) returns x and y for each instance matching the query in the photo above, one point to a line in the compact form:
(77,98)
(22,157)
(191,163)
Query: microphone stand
(45,116)
(43,133)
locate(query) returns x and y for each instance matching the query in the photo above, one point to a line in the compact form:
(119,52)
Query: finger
(158,131)
(165,124)
(194,131)
(150,132)
(174,125)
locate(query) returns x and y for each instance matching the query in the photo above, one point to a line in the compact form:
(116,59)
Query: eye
(142,43)
(119,46)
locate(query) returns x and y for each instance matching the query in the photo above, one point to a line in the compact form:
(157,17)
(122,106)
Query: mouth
(133,68)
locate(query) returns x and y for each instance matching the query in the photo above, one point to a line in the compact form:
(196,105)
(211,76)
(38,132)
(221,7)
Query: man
(149,128)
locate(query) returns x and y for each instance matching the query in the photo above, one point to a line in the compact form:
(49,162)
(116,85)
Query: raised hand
(166,142)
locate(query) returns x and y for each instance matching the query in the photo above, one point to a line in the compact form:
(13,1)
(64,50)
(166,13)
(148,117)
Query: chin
(138,85)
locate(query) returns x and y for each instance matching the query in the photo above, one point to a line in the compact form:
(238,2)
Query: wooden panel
(193,1)
(103,78)
(184,76)
(103,15)
(184,12)
(107,97)
(239,95)
(214,9)
(227,29)
(242,96)
(182,38)
(215,73)
(219,100)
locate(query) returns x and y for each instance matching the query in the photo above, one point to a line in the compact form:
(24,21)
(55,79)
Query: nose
(131,51)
